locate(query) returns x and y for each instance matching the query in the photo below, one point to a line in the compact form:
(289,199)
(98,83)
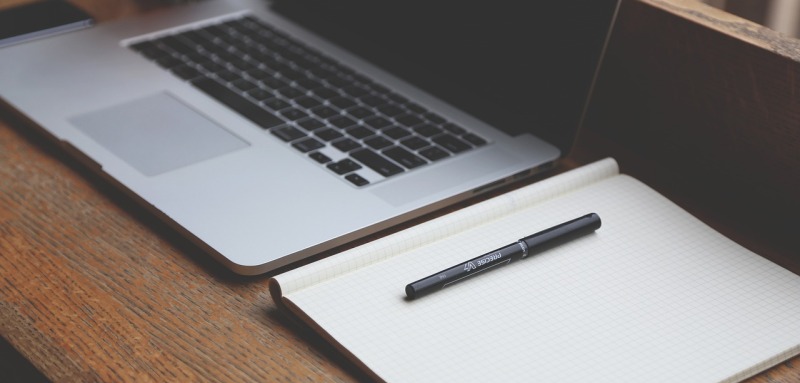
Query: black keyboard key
(243,85)
(307,144)
(308,102)
(227,76)
(409,120)
(416,108)
(342,122)
(319,157)
(359,132)
(169,62)
(344,166)
(328,134)
(346,144)
(404,157)
(375,162)
(414,143)
(427,130)
(290,92)
(212,67)
(311,124)
(260,94)
(272,83)
(372,100)
(474,139)
(377,122)
(434,153)
(186,72)
(356,179)
(378,142)
(342,102)
(239,103)
(451,143)
(360,112)
(324,112)
(293,114)
(396,132)
(325,93)
(391,110)
(453,128)
(288,133)
(276,104)
(149,49)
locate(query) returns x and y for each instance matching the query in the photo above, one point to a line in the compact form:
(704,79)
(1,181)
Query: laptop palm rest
(157,133)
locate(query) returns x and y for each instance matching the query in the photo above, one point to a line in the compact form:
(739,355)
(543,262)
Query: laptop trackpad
(157,134)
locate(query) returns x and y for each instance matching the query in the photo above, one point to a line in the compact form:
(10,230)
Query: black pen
(540,241)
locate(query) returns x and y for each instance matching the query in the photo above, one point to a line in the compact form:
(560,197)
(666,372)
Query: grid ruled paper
(653,295)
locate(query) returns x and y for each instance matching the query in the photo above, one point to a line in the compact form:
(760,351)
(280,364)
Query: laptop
(268,132)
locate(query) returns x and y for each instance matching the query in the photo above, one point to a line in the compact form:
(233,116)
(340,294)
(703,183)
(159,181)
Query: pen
(540,241)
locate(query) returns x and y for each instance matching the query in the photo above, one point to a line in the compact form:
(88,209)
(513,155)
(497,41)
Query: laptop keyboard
(358,129)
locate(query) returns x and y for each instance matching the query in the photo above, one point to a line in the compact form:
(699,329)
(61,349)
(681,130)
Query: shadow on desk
(16,369)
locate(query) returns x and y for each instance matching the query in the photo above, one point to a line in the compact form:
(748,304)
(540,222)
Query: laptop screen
(520,66)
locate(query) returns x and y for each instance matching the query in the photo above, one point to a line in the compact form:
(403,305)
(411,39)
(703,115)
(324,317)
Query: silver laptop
(270,132)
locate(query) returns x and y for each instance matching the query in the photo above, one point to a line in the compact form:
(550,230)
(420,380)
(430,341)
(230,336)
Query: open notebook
(653,295)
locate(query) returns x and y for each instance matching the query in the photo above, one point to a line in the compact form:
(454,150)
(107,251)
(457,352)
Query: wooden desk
(95,289)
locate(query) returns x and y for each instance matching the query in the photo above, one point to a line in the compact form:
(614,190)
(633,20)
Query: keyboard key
(243,85)
(378,142)
(373,101)
(451,143)
(409,120)
(414,143)
(377,123)
(169,62)
(311,124)
(319,157)
(391,110)
(308,102)
(453,128)
(434,153)
(342,102)
(342,122)
(474,139)
(325,112)
(396,132)
(276,103)
(360,112)
(356,179)
(288,133)
(149,49)
(427,130)
(359,132)
(293,114)
(238,103)
(260,94)
(404,157)
(307,144)
(344,166)
(346,144)
(328,134)
(186,72)
(377,163)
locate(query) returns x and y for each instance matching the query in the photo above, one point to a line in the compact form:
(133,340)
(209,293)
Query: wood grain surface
(92,288)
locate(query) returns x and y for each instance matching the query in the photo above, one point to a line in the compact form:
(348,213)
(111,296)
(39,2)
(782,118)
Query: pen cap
(564,232)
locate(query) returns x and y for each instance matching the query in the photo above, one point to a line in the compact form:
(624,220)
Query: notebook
(268,132)
(653,295)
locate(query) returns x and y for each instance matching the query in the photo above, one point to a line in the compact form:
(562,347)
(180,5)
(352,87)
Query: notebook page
(441,227)
(653,295)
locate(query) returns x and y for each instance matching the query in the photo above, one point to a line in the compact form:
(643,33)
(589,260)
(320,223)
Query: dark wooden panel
(714,100)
